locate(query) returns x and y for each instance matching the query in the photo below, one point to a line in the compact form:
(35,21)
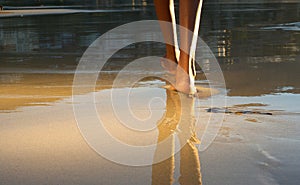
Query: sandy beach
(50,135)
(37,147)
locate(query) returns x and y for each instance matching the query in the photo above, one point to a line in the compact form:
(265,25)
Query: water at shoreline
(257,54)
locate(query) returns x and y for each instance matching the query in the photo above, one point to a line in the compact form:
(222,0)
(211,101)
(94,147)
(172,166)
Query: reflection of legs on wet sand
(189,157)
(189,165)
(162,172)
(179,116)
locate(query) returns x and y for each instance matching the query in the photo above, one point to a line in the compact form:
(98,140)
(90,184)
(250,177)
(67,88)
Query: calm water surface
(257,46)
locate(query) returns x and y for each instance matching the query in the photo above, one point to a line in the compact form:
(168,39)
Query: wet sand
(38,147)
(39,12)
(21,13)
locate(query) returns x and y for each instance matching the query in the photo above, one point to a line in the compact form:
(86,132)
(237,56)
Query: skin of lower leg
(163,14)
(187,16)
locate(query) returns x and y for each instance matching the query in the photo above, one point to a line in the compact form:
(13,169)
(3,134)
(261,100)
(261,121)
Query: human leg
(187,17)
(163,14)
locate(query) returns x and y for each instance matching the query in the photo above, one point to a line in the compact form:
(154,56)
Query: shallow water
(257,46)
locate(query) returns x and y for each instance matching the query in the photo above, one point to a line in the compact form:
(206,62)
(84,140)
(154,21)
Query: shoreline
(41,12)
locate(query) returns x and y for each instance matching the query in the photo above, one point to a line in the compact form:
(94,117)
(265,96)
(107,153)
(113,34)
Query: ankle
(182,80)
(171,57)
(184,62)
(170,53)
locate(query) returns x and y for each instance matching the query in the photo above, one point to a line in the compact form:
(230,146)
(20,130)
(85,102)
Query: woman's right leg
(163,14)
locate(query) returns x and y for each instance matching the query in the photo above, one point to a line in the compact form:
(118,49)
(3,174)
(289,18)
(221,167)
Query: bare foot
(169,65)
(182,81)
(182,84)
(179,85)
(179,82)
(201,92)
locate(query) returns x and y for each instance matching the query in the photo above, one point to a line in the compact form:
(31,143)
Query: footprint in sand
(267,160)
(227,135)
